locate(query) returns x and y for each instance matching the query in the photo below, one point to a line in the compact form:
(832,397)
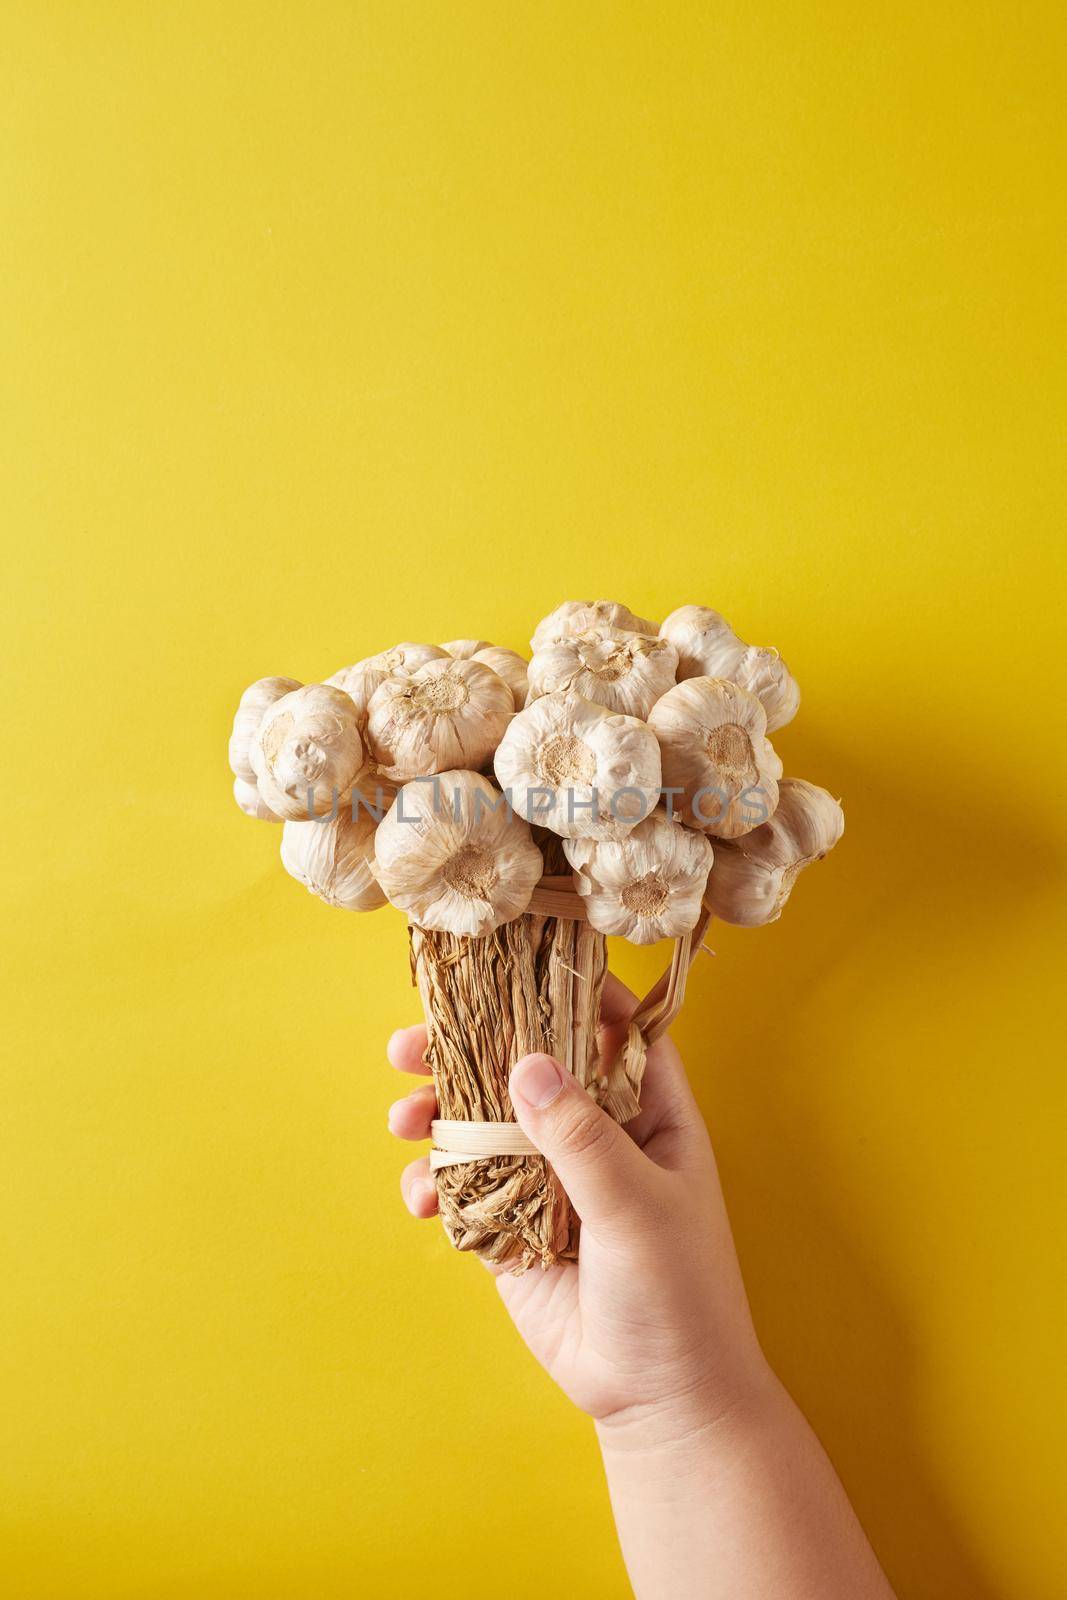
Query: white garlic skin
(455,857)
(625,672)
(712,735)
(709,648)
(360,680)
(334,859)
(577,616)
(465,649)
(252,803)
(308,739)
(647,886)
(251,706)
(448,715)
(510,666)
(752,878)
(570,747)
(377,790)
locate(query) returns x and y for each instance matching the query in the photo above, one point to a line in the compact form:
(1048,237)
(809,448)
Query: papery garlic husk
(455,857)
(510,666)
(362,678)
(252,803)
(626,672)
(578,616)
(647,886)
(752,878)
(578,769)
(334,859)
(709,648)
(251,706)
(307,752)
(448,715)
(716,755)
(464,649)
(376,790)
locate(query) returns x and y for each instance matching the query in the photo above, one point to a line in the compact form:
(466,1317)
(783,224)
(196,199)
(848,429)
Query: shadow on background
(906,887)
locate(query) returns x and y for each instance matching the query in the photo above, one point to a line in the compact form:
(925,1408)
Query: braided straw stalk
(532,984)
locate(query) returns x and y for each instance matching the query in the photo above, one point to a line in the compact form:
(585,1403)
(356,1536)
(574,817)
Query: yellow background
(328,324)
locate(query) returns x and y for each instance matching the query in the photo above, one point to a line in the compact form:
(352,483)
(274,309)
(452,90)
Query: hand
(651,1322)
(720,1489)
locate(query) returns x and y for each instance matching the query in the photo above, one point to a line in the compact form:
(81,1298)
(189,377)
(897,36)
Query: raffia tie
(619,1091)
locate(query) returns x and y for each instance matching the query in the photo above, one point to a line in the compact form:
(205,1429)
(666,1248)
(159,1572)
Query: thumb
(597,1163)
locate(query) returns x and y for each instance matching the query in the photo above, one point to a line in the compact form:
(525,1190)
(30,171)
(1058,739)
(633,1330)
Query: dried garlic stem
(531,984)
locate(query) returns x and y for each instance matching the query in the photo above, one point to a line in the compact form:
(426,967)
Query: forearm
(735,1502)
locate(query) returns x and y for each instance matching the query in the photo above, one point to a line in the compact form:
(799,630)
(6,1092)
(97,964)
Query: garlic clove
(455,857)
(577,616)
(307,740)
(253,703)
(646,886)
(578,769)
(464,649)
(625,672)
(716,756)
(251,802)
(334,859)
(447,715)
(510,666)
(708,648)
(752,878)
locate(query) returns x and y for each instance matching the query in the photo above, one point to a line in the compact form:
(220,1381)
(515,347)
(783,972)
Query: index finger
(617,1002)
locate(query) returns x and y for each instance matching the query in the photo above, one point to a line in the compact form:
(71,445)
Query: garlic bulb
(578,616)
(626,672)
(752,878)
(253,703)
(505,663)
(578,769)
(334,859)
(510,666)
(647,886)
(252,803)
(446,715)
(308,740)
(454,856)
(708,648)
(716,756)
(464,649)
(362,678)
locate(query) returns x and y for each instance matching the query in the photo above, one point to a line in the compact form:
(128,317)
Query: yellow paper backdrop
(328,324)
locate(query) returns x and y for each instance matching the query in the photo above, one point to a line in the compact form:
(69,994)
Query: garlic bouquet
(620,781)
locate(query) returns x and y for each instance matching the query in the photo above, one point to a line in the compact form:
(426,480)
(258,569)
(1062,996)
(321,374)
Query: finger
(617,1002)
(669,1113)
(410,1117)
(601,1168)
(669,1126)
(406,1049)
(418,1188)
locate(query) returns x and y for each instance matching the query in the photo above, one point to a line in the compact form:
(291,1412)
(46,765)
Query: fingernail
(537,1080)
(424,1192)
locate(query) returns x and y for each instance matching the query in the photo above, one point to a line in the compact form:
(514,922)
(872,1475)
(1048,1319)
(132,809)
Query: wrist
(691,1419)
